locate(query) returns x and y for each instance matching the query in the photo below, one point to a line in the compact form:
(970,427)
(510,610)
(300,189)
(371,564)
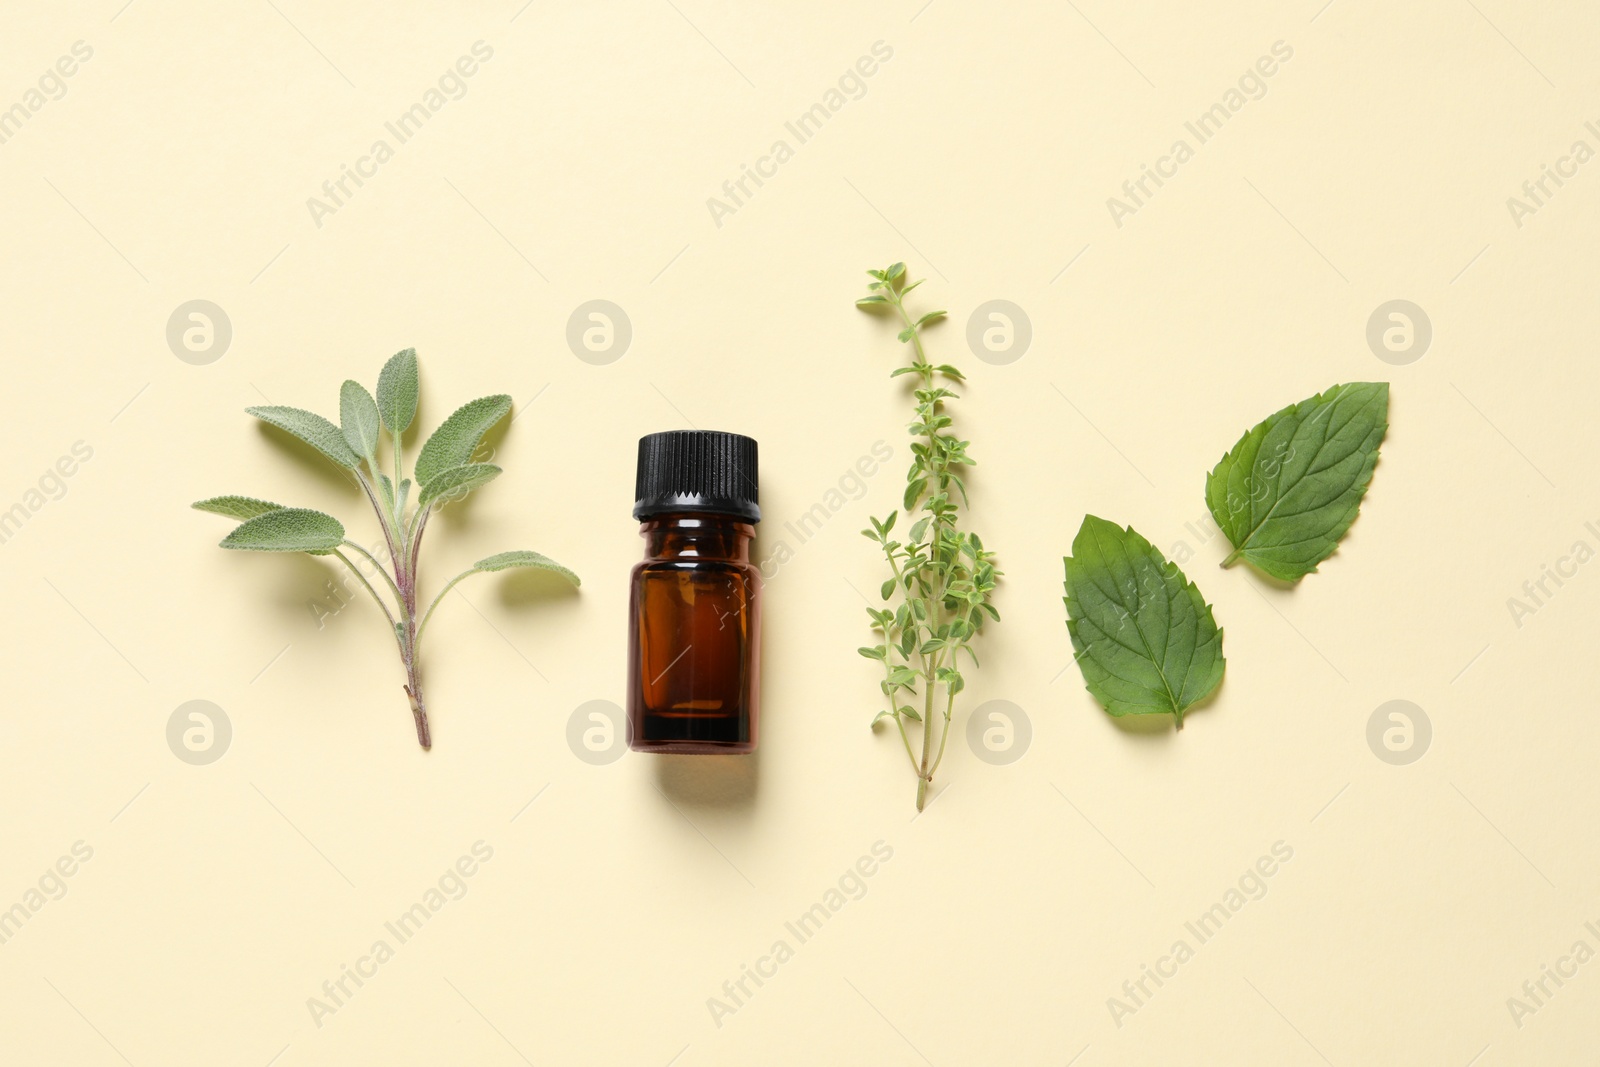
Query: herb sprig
(942,578)
(444,472)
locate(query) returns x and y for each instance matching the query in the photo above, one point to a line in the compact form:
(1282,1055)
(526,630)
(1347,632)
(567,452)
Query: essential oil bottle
(694,613)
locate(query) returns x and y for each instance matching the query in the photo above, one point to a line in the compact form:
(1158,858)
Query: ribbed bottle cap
(698,471)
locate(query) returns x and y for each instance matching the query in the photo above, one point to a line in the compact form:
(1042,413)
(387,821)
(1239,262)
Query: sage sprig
(444,473)
(941,577)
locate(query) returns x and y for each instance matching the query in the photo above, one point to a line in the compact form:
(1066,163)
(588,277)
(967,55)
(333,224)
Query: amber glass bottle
(694,616)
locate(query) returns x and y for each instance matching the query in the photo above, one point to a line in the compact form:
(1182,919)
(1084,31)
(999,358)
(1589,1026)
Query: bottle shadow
(709,782)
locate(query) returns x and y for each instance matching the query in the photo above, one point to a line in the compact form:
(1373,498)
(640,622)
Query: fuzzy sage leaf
(288,530)
(1288,491)
(359,422)
(236,507)
(313,429)
(456,482)
(1142,634)
(453,443)
(503,561)
(397,391)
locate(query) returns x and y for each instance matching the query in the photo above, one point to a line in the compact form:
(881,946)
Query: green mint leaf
(868,301)
(1291,487)
(453,443)
(288,530)
(236,507)
(1142,634)
(397,390)
(358,420)
(456,482)
(504,561)
(314,430)
(895,270)
(932,316)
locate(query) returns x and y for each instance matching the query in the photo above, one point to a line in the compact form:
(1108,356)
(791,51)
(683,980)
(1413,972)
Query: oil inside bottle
(694,621)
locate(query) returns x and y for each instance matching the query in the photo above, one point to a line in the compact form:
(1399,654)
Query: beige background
(219,898)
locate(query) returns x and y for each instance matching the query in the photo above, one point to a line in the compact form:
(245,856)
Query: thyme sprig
(942,578)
